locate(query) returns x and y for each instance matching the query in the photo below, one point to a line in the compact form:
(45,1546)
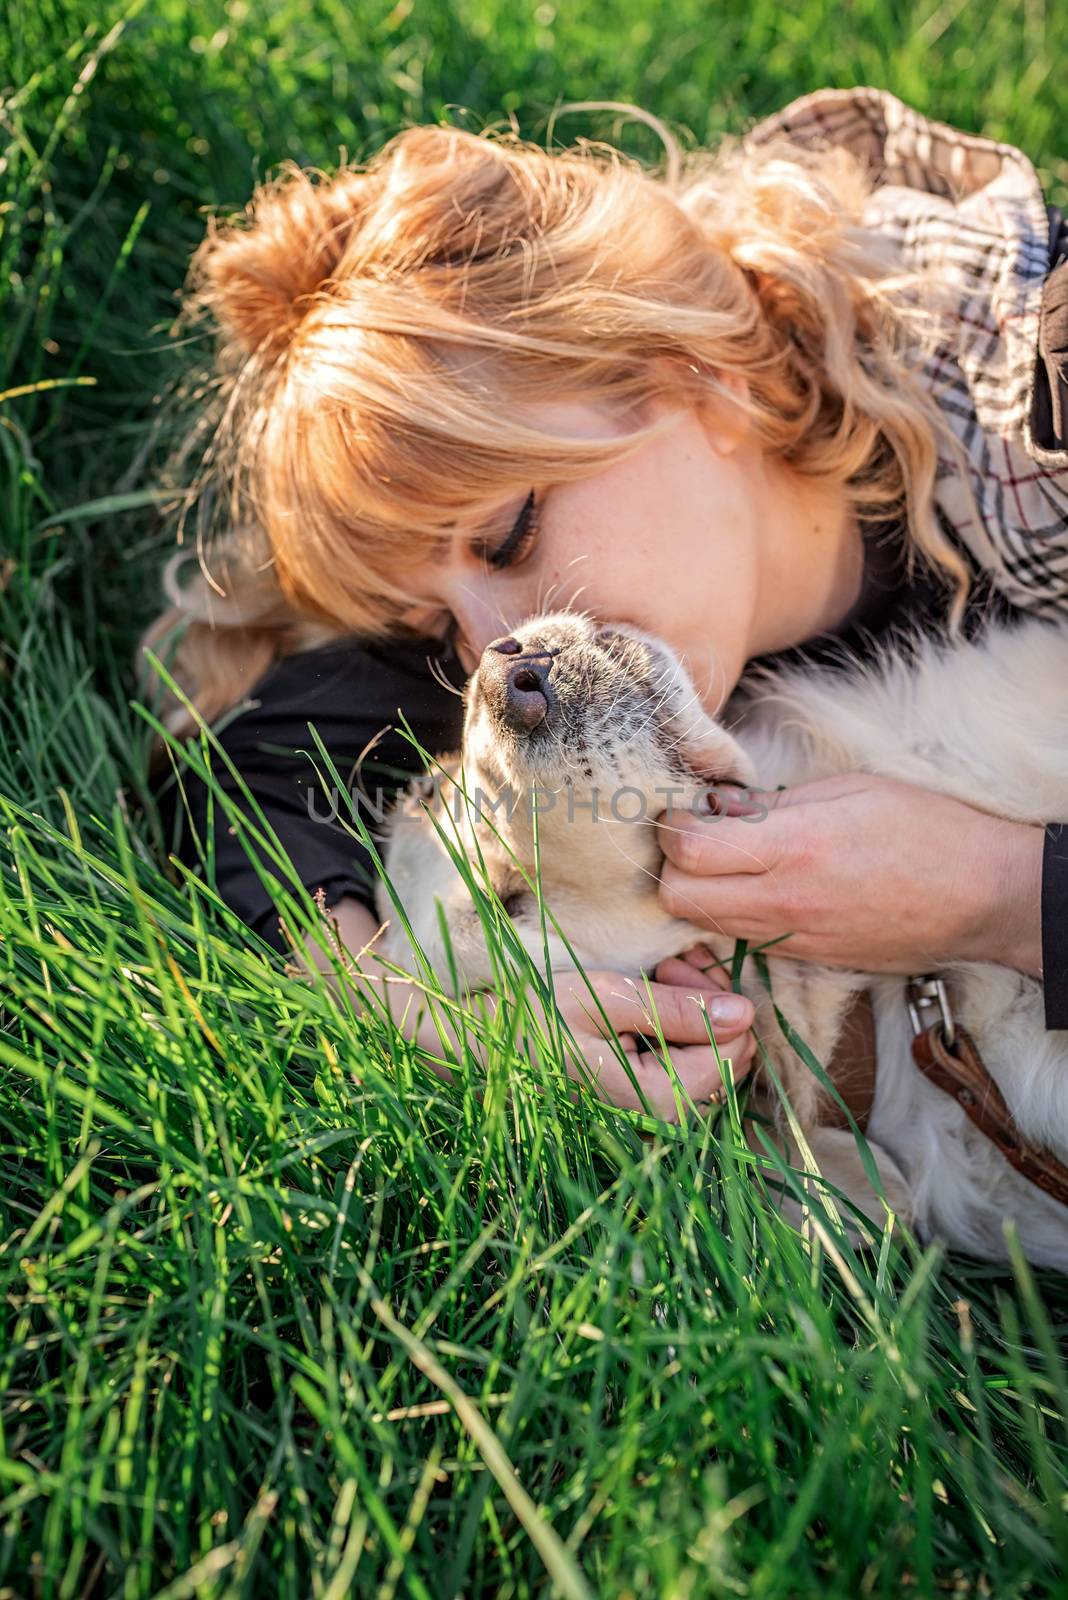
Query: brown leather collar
(958,1071)
(852,1066)
(961,1072)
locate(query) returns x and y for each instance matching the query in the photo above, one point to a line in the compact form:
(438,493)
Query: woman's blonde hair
(380,330)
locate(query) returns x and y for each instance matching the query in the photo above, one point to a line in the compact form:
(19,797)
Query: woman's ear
(723,408)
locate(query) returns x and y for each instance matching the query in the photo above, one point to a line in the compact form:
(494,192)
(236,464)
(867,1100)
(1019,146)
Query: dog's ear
(516,897)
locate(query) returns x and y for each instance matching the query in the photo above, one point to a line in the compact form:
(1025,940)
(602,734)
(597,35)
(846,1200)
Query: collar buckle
(928,1003)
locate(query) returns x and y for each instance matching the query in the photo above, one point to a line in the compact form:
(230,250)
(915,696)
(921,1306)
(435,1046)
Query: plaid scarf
(972,212)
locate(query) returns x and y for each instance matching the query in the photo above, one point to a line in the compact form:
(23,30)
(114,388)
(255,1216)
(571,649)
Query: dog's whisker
(701,917)
(501,618)
(437,672)
(545,604)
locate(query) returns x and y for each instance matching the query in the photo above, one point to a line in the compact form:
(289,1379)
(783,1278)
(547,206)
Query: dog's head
(576,739)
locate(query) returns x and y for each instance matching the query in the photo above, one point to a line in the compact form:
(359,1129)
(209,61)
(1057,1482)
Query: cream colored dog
(592,732)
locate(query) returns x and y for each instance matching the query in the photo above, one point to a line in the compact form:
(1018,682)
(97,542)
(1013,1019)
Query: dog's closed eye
(518,901)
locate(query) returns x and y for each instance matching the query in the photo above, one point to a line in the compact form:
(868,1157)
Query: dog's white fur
(985,722)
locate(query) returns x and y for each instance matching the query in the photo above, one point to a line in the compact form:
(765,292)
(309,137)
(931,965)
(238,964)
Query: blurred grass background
(246,1242)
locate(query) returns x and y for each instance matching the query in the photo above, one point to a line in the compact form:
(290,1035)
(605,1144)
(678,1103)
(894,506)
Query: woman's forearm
(1004,898)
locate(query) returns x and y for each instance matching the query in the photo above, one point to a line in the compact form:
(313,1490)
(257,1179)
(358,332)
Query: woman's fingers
(686,1011)
(684,1017)
(700,846)
(700,1075)
(699,1071)
(695,968)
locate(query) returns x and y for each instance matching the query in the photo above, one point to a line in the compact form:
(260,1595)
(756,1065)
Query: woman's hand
(861,872)
(602,1001)
(683,1000)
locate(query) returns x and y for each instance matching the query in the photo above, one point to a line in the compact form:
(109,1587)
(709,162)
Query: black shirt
(355,695)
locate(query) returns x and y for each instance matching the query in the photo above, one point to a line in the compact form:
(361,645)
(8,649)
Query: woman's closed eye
(519,541)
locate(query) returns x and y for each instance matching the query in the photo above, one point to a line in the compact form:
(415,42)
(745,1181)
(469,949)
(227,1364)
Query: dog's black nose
(523,675)
(525,691)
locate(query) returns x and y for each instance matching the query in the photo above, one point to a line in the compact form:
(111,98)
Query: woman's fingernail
(728,1008)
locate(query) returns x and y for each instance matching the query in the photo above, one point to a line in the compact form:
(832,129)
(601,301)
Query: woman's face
(673,540)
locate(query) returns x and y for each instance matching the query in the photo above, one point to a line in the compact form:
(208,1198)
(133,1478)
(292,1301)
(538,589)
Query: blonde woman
(790,395)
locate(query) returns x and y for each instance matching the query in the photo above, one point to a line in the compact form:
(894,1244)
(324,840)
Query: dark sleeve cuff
(1055,924)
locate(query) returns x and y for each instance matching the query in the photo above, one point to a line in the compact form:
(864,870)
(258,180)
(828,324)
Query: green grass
(282,1313)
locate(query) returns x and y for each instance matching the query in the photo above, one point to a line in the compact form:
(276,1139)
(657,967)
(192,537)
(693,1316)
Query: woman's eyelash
(523,533)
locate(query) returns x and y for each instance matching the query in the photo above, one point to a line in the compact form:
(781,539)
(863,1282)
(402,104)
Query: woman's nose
(467,657)
(477,626)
